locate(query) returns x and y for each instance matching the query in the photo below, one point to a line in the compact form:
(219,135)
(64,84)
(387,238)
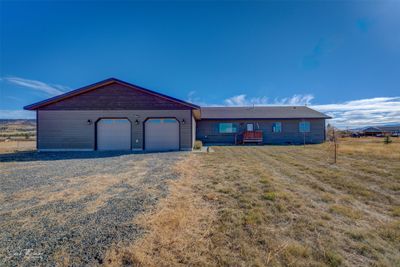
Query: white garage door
(161,135)
(114,134)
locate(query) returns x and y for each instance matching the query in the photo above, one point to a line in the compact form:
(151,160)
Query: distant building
(373,131)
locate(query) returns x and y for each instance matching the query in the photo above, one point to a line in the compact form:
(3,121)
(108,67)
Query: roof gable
(111,97)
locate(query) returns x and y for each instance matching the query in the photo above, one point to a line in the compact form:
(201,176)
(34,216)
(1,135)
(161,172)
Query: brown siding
(61,129)
(115,97)
(193,131)
(208,131)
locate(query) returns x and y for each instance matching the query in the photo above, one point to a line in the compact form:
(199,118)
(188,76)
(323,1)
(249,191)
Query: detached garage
(114,115)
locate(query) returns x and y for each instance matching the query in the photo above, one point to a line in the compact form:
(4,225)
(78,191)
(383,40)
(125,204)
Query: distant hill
(17,129)
(18,121)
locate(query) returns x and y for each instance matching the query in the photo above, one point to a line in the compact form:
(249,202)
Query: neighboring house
(116,115)
(372,131)
(381,130)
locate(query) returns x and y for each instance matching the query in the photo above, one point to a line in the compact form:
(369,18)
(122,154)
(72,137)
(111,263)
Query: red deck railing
(253,137)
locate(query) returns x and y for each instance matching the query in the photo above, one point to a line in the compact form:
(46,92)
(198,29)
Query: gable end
(111,94)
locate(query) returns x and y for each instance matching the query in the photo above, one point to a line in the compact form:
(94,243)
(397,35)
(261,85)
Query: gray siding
(115,97)
(208,131)
(68,129)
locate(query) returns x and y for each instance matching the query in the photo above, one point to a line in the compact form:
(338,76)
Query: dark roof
(102,83)
(372,129)
(265,112)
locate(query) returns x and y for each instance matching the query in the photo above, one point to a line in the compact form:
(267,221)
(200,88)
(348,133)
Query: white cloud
(242,100)
(16,114)
(363,112)
(295,100)
(50,89)
(354,113)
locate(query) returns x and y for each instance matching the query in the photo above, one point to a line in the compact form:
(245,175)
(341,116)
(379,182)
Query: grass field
(17,129)
(14,146)
(237,206)
(17,135)
(277,206)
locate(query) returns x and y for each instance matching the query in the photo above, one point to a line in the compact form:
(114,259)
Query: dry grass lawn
(14,146)
(277,206)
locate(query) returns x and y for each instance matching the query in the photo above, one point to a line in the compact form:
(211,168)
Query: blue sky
(342,58)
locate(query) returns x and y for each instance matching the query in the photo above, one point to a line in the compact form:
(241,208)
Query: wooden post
(335,145)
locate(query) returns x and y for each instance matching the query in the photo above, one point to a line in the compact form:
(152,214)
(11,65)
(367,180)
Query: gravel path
(71,207)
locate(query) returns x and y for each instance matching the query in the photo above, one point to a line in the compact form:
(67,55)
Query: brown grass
(177,231)
(277,206)
(14,146)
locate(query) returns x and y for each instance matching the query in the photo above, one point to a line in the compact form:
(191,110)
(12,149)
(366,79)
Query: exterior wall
(69,130)
(115,97)
(193,131)
(208,131)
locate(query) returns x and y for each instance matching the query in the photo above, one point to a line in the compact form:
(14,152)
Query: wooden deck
(253,137)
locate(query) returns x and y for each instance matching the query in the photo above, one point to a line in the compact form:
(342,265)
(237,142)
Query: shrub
(333,259)
(197,144)
(387,140)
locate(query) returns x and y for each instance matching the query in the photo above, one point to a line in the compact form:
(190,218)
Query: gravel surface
(72,207)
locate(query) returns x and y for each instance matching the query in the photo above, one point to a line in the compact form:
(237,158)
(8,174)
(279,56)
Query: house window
(227,128)
(277,127)
(304,126)
(250,127)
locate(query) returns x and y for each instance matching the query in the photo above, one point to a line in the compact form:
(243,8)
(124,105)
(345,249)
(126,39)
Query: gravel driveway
(71,207)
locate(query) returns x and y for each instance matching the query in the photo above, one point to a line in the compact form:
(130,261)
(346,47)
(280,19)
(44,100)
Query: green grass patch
(271,196)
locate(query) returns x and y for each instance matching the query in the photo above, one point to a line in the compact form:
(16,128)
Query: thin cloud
(16,114)
(363,112)
(242,100)
(50,89)
(322,47)
(295,100)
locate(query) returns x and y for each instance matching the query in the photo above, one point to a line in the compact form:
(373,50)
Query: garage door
(161,134)
(113,134)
